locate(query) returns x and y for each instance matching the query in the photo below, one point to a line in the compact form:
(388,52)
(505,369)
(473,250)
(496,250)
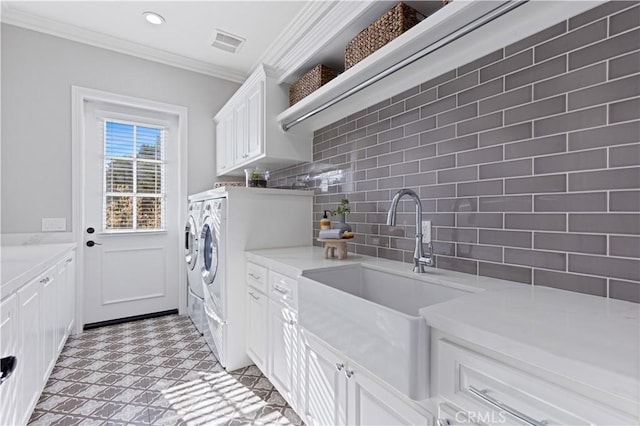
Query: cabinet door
(61,307)
(29,368)
(49,322)
(283,351)
(221,147)
(240,137)
(8,347)
(370,403)
(323,384)
(255,129)
(70,292)
(257,309)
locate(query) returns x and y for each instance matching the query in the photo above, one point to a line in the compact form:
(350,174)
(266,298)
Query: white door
(255,126)
(323,387)
(257,331)
(371,404)
(131,212)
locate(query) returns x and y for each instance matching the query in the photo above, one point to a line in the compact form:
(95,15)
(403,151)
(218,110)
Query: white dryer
(213,273)
(195,292)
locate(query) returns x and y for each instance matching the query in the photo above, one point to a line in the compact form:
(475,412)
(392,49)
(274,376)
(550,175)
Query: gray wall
(525,160)
(38,71)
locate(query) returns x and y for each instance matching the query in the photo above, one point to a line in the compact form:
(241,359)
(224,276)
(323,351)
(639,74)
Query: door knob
(90,230)
(92,243)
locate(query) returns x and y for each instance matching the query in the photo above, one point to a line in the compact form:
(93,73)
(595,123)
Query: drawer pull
(292,322)
(45,280)
(254,276)
(482,394)
(254,296)
(279,289)
(69,260)
(339,366)
(349,373)
(443,422)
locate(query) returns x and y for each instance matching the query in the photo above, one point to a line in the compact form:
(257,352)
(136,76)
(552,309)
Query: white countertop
(293,261)
(20,264)
(592,340)
(588,339)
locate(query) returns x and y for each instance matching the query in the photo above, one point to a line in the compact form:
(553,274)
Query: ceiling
(185,36)
(272,30)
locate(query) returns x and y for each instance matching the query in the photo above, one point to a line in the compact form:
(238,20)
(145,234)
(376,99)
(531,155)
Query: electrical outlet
(54,224)
(426,231)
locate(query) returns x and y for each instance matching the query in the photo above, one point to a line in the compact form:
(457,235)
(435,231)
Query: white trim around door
(79,97)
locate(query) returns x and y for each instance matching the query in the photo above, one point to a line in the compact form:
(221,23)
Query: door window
(134,170)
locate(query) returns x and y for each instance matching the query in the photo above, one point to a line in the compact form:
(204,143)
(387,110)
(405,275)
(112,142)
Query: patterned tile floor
(154,372)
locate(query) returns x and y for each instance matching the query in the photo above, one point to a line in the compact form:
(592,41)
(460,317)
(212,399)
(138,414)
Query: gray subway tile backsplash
(571,81)
(591,33)
(624,246)
(571,282)
(624,21)
(579,202)
(584,160)
(534,147)
(526,161)
(609,48)
(570,242)
(605,136)
(624,65)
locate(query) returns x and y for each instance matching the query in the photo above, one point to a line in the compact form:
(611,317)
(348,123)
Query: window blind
(134,174)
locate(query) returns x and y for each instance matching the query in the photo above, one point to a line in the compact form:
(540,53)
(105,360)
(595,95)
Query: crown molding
(302,23)
(327,22)
(18,18)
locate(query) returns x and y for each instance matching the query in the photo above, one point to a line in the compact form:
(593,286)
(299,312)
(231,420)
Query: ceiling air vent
(227,42)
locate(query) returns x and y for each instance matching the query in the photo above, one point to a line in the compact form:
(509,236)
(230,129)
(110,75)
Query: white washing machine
(234,222)
(213,273)
(195,292)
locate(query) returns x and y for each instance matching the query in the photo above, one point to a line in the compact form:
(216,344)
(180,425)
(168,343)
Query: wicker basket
(310,82)
(387,27)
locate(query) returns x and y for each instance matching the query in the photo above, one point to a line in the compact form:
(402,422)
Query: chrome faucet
(419,258)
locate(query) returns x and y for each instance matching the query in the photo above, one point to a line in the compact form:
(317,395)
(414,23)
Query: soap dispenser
(325,223)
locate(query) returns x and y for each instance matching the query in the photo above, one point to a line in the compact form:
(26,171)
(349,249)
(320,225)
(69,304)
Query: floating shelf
(525,20)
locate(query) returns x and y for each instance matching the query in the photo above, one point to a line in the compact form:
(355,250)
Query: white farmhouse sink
(372,316)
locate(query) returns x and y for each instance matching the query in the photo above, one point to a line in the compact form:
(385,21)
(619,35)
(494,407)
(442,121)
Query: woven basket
(310,82)
(387,27)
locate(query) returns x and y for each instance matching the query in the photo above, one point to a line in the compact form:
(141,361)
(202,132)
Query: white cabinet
(35,321)
(272,328)
(257,331)
(247,133)
(488,391)
(283,336)
(30,349)
(335,391)
(323,389)
(69,302)
(9,390)
(254,144)
(225,146)
(49,321)
(240,122)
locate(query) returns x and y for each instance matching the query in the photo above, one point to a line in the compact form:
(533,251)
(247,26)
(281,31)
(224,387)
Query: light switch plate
(54,224)
(426,231)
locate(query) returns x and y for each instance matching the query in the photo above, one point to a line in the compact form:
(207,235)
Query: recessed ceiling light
(153,18)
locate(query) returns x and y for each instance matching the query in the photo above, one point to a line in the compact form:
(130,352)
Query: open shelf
(525,20)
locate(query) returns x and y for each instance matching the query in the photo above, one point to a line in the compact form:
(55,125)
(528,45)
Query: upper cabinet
(248,134)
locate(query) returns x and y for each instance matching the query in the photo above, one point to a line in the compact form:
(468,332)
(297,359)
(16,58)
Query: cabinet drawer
(492,392)
(257,276)
(283,289)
